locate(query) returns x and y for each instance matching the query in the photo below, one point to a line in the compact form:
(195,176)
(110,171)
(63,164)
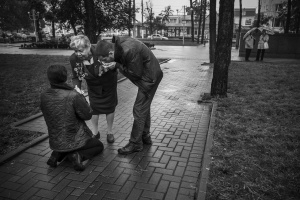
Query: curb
(22,148)
(204,174)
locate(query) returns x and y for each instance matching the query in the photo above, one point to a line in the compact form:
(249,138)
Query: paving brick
(10,194)
(163,186)
(27,185)
(63,194)
(98,195)
(174,185)
(25,170)
(122,179)
(77,192)
(78,184)
(76,177)
(153,195)
(44,185)
(42,177)
(116,195)
(127,187)
(93,188)
(179,171)
(110,187)
(171,178)
(61,185)
(159,165)
(139,178)
(10,185)
(155,178)
(145,186)
(58,177)
(29,193)
(171,194)
(164,171)
(184,197)
(91,177)
(71,197)
(135,194)
(46,194)
(40,170)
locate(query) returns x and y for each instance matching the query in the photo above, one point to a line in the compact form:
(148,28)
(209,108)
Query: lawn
(22,80)
(255,152)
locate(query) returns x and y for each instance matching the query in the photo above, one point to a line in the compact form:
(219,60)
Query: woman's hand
(78,90)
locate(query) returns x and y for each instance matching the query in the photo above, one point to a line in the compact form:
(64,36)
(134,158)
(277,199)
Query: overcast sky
(159,5)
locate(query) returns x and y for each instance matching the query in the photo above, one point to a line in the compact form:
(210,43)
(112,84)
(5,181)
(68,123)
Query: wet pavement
(174,167)
(169,169)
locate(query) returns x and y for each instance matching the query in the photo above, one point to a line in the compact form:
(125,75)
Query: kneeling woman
(65,111)
(102,87)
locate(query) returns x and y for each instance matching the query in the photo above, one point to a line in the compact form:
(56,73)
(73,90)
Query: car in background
(157,37)
(278,29)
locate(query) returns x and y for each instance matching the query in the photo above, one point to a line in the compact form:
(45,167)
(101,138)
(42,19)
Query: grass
(257,134)
(22,80)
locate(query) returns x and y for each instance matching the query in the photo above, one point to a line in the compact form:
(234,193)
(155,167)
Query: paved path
(169,169)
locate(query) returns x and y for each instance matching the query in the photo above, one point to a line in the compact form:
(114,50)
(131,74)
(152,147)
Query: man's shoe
(147,140)
(110,138)
(130,148)
(75,158)
(97,136)
(52,162)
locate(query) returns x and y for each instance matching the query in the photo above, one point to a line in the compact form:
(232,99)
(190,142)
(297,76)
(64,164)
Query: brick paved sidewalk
(169,169)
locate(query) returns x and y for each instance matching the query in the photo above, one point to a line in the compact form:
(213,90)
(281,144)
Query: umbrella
(267,29)
(250,31)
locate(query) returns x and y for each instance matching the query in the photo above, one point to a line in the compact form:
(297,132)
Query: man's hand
(109,66)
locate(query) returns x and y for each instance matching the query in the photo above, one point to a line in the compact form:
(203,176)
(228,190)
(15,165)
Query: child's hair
(57,74)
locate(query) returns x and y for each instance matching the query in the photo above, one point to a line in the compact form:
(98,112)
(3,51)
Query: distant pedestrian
(65,111)
(249,43)
(262,45)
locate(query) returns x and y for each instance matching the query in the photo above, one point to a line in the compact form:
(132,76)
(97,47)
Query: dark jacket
(138,62)
(64,111)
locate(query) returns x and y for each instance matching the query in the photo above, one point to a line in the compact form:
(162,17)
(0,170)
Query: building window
(248,22)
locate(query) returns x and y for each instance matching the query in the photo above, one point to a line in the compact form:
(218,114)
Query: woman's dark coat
(65,112)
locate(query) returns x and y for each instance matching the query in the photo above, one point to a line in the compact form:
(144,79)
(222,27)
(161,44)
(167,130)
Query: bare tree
(237,44)
(212,30)
(223,49)
(91,24)
(192,19)
(258,15)
(204,19)
(200,20)
(288,17)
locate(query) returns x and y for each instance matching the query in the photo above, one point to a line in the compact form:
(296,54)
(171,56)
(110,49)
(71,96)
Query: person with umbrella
(249,42)
(263,42)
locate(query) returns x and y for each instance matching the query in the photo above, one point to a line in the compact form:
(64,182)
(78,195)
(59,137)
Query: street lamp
(33,16)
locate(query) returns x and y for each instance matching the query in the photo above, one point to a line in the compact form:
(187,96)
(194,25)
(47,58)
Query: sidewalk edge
(204,174)
(22,148)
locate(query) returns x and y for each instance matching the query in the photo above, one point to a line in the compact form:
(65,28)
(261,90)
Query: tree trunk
(53,29)
(192,19)
(258,15)
(200,21)
(212,30)
(240,27)
(129,19)
(91,23)
(203,25)
(74,28)
(223,49)
(288,17)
